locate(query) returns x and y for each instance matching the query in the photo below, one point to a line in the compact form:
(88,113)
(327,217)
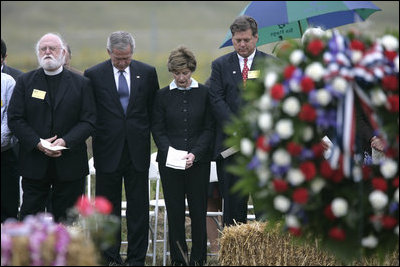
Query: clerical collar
(193,84)
(55,72)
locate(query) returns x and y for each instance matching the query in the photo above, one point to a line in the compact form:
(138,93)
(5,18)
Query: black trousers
(192,184)
(136,185)
(64,194)
(9,185)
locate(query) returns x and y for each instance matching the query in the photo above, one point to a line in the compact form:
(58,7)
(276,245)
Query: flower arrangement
(337,196)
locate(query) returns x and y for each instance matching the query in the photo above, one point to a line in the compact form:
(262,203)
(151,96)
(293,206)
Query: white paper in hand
(47,145)
(175,158)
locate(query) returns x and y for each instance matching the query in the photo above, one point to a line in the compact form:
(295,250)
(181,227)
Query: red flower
(262,143)
(390,55)
(288,72)
(318,149)
(394,103)
(337,234)
(357,45)
(390,83)
(84,206)
(293,148)
(280,185)
(315,47)
(277,92)
(328,213)
(102,205)
(300,195)
(325,169)
(308,169)
(307,84)
(307,113)
(295,231)
(379,184)
(337,176)
(395,182)
(389,222)
(366,171)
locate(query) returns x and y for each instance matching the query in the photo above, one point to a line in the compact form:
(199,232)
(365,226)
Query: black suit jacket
(11,71)
(225,92)
(31,117)
(183,119)
(113,127)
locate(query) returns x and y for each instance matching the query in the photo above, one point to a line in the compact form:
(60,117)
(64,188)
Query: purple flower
(254,163)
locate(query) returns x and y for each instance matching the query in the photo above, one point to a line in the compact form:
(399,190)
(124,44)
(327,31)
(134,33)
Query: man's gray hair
(120,40)
(50,33)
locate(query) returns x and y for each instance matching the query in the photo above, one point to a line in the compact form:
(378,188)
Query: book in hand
(175,158)
(227,152)
(46,144)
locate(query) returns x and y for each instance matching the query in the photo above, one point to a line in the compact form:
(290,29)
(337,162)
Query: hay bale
(249,244)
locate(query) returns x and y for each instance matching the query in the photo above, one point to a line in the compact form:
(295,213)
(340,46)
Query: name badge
(38,94)
(253,74)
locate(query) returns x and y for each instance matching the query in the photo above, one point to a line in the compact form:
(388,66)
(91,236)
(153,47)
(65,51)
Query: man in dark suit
(54,104)
(229,74)
(124,92)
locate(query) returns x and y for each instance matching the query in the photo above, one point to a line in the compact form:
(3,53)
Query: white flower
(339,207)
(281,157)
(295,177)
(339,85)
(292,221)
(396,195)
(296,57)
(246,146)
(265,121)
(262,155)
(281,203)
(270,79)
(284,128)
(388,168)
(263,175)
(396,63)
(308,134)
(315,71)
(369,241)
(378,97)
(323,97)
(378,199)
(390,42)
(291,106)
(265,102)
(356,56)
(396,230)
(317,185)
(294,86)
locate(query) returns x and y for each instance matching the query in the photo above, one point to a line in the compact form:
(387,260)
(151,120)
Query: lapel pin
(137,77)
(234,72)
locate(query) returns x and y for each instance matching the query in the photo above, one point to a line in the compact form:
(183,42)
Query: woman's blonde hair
(181,58)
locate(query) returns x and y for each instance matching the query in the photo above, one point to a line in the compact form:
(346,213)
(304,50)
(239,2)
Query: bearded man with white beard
(57,105)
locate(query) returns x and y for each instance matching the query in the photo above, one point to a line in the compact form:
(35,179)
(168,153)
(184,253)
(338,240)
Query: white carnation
(317,185)
(396,195)
(388,168)
(265,102)
(295,177)
(291,106)
(246,146)
(281,157)
(356,56)
(390,42)
(378,97)
(308,134)
(315,71)
(369,241)
(339,207)
(339,85)
(270,79)
(265,121)
(281,203)
(296,57)
(323,97)
(284,128)
(378,199)
(292,221)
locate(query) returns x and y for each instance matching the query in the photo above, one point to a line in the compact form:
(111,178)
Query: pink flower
(103,205)
(84,206)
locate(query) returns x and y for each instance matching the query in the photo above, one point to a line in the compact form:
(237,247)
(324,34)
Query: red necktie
(245,72)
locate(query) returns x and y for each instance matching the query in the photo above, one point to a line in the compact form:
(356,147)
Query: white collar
(193,84)
(249,58)
(54,72)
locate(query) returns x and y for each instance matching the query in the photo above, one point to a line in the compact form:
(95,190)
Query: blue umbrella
(281,20)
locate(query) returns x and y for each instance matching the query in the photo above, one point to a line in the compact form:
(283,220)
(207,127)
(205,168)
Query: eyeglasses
(51,48)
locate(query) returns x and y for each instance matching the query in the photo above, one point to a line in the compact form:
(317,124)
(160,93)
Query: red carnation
(337,234)
(288,72)
(325,169)
(293,148)
(280,185)
(262,143)
(390,55)
(328,213)
(379,184)
(307,84)
(393,103)
(315,47)
(390,83)
(295,231)
(307,113)
(318,149)
(102,205)
(277,92)
(389,222)
(300,195)
(395,182)
(308,169)
(337,176)
(357,45)
(366,171)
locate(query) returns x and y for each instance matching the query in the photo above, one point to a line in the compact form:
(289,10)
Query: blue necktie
(123,90)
